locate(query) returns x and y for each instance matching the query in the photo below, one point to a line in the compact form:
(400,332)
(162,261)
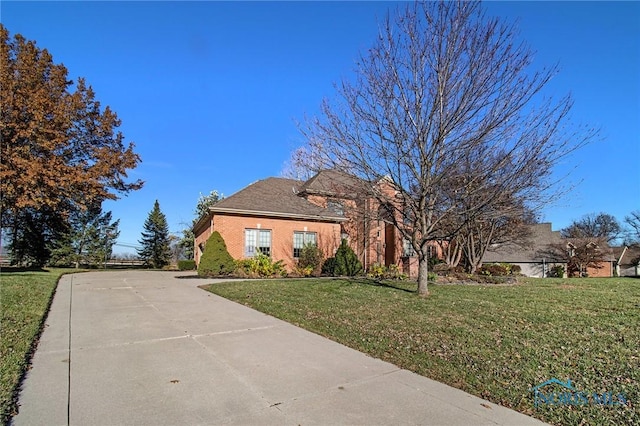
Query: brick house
(546,248)
(277,216)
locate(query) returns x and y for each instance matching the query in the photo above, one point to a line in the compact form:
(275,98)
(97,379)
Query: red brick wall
(606,270)
(232,230)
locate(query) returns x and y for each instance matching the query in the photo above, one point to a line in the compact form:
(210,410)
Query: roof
(536,248)
(528,251)
(334,183)
(275,197)
(627,255)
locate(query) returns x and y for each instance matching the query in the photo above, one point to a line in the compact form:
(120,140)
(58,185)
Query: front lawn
(496,342)
(24,301)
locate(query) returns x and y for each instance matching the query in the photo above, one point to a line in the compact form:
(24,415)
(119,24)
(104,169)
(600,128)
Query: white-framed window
(257,241)
(407,248)
(300,239)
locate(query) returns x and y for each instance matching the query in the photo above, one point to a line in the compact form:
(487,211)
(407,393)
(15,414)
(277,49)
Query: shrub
(377,271)
(494,269)
(329,266)
(432,277)
(347,263)
(215,260)
(516,269)
(433,261)
(391,272)
(261,266)
(310,261)
(557,271)
(186,265)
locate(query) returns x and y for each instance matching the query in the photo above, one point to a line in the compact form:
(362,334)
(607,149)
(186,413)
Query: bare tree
(578,254)
(443,84)
(601,225)
(633,230)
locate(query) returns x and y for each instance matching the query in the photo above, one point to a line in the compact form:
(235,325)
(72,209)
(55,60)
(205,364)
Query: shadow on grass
(10,269)
(378,283)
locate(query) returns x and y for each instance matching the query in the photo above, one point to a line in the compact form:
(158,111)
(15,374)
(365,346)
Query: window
(300,239)
(257,241)
(336,207)
(407,248)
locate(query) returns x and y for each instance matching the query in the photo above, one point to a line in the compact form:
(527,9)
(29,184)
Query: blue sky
(210,91)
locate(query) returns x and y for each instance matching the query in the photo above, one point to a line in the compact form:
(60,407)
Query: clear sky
(210,91)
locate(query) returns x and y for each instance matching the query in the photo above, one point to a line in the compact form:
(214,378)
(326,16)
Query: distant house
(277,216)
(545,249)
(627,261)
(532,255)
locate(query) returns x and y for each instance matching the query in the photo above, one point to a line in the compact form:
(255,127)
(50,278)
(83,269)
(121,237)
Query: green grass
(496,342)
(24,301)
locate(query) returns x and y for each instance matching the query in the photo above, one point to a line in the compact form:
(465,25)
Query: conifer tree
(346,263)
(88,240)
(154,244)
(215,260)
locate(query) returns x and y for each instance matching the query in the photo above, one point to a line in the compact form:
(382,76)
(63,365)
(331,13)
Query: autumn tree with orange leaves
(60,151)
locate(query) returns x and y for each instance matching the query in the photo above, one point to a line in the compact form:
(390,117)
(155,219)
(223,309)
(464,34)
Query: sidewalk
(151,348)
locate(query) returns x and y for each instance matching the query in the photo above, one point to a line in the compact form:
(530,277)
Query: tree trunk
(423,276)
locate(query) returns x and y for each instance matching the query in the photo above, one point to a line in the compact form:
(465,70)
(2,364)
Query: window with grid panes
(257,241)
(300,239)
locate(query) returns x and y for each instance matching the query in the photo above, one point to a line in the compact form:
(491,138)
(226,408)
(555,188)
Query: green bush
(557,271)
(347,263)
(215,260)
(310,261)
(329,266)
(261,266)
(186,265)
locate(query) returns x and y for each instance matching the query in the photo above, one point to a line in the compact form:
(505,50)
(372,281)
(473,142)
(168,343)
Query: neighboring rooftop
(530,250)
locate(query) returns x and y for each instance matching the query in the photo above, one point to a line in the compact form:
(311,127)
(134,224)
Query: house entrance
(389,244)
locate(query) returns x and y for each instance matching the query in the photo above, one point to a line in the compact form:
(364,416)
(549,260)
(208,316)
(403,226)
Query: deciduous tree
(633,231)
(578,254)
(60,150)
(445,85)
(601,225)
(202,208)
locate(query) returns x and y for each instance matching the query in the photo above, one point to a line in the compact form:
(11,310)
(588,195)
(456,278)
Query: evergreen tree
(155,239)
(215,260)
(88,240)
(346,261)
(34,235)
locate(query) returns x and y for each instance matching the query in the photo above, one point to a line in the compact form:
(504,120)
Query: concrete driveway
(151,348)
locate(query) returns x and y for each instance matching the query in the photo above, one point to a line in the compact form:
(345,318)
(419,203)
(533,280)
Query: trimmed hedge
(186,265)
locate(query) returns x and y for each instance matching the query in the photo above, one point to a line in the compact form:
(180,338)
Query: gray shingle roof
(277,197)
(528,251)
(334,183)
